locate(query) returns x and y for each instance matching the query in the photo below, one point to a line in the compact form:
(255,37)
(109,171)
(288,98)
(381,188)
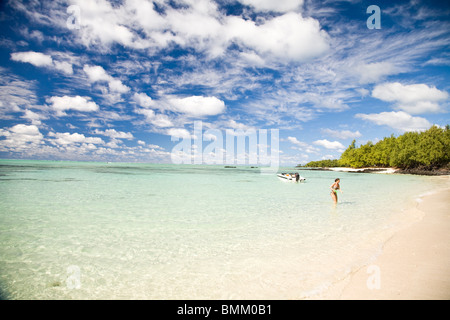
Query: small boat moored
(291,177)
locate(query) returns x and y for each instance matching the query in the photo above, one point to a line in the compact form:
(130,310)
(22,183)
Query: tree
(412,149)
(433,147)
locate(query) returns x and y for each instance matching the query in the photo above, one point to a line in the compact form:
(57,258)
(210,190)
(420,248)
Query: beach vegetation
(427,149)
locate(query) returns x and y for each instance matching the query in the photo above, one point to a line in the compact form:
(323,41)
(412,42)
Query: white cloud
(343,134)
(271,5)
(335,145)
(197,26)
(362,91)
(20,137)
(178,133)
(102,24)
(237,125)
(413,99)
(158,120)
(23,129)
(16,94)
(64,66)
(148,113)
(374,72)
(113,134)
(332,101)
(302,146)
(117,86)
(68,139)
(98,74)
(197,106)
(34,117)
(445,61)
(202,26)
(295,141)
(62,104)
(37,59)
(161,121)
(400,120)
(288,37)
(251,58)
(143,100)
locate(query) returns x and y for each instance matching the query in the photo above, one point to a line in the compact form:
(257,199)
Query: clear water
(73,230)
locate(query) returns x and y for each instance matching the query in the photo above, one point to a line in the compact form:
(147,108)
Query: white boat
(290,177)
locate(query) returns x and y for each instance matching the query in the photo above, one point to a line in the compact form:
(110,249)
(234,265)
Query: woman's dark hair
(336,179)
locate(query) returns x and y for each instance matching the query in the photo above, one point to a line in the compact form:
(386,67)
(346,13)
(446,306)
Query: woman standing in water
(334,188)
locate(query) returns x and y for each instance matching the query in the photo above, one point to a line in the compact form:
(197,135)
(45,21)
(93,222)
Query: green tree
(412,149)
(433,147)
(405,153)
(348,154)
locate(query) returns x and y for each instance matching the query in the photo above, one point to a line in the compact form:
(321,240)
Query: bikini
(334,189)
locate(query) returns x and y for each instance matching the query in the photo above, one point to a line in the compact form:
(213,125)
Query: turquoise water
(74,230)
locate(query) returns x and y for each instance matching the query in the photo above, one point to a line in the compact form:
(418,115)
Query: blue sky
(119,80)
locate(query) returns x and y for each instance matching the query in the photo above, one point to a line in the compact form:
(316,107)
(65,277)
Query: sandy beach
(414,262)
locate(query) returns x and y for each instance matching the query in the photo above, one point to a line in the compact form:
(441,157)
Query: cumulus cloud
(161,121)
(114,134)
(20,137)
(143,100)
(98,74)
(178,133)
(202,26)
(67,138)
(197,106)
(335,145)
(158,120)
(64,66)
(39,59)
(289,37)
(413,99)
(78,103)
(400,120)
(276,6)
(34,117)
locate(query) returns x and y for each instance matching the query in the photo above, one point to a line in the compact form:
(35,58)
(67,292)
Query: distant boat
(290,177)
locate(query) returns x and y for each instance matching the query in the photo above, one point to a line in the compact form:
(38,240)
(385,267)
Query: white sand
(376,170)
(414,263)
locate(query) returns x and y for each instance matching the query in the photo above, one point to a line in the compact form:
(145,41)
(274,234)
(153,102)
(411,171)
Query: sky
(127,81)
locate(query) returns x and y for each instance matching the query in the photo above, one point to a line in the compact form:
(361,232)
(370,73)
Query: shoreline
(387,170)
(414,262)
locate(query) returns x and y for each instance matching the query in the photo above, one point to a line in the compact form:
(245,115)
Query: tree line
(428,149)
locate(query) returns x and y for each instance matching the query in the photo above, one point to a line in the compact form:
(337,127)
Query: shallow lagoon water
(80,230)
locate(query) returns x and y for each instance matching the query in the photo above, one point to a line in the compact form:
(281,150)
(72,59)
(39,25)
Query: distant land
(426,152)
